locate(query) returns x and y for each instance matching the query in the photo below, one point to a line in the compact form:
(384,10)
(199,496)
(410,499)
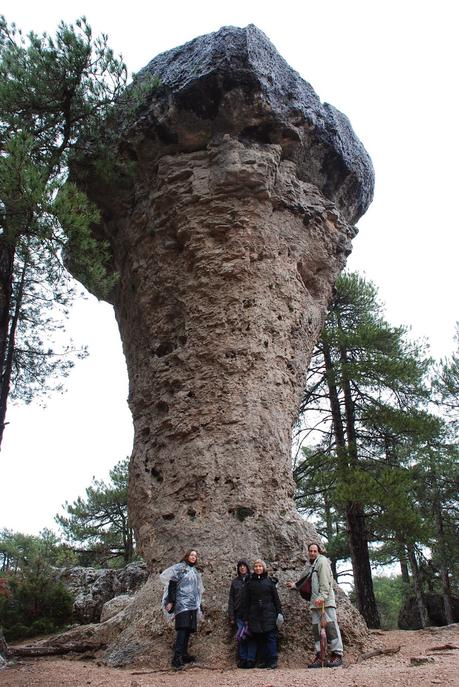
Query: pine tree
(32,602)
(100,522)
(437,480)
(446,384)
(316,479)
(54,96)
(365,394)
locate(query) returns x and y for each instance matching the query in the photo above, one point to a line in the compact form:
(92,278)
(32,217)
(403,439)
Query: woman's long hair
(187,554)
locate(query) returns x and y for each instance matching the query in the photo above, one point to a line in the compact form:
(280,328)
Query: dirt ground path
(384,671)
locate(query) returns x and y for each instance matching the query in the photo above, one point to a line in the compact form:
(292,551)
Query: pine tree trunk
(446,589)
(6,278)
(444,573)
(8,352)
(423,613)
(129,549)
(355,517)
(337,420)
(330,533)
(363,582)
(404,570)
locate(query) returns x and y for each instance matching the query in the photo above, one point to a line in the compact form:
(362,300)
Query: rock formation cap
(234,82)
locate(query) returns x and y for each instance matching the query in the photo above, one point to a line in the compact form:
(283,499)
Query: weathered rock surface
(421,660)
(235,82)
(115,606)
(215,643)
(409,618)
(138,633)
(93,587)
(3,651)
(228,231)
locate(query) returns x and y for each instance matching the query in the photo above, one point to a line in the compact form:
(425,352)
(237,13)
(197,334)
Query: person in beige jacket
(322,599)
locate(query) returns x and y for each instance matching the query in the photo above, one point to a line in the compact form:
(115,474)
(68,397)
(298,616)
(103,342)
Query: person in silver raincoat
(182,601)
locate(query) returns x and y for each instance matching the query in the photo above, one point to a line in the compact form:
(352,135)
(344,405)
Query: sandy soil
(383,671)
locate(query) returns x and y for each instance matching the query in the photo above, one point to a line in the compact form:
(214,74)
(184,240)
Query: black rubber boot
(187,658)
(177,662)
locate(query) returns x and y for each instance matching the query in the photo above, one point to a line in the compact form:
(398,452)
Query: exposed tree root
(31,651)
(378,652)
(443,647)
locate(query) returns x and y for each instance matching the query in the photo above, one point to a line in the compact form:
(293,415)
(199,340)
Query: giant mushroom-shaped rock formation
(227,233)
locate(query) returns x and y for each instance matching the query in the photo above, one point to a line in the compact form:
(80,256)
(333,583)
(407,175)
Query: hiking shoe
(177,662)
(335,661)
(242,664)
(249,664)
(187,658)
(272,665)
(317,663)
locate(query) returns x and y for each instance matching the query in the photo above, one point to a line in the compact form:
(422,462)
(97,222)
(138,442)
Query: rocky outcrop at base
(3,651)
(132,631)
(93,587)
(409,618)
(214,643)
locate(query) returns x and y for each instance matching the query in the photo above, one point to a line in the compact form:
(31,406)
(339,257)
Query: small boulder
(3,651)
(115,606)
(421,660)
(409,618)
(92,587)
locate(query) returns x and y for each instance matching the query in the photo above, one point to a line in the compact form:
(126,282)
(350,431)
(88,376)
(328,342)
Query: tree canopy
(365,414)
(32,602)
(55,93)
(99,523)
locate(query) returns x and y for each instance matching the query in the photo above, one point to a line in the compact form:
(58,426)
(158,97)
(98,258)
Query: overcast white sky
(391,67)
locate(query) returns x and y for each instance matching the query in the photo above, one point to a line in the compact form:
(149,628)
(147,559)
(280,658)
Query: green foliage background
(32,601)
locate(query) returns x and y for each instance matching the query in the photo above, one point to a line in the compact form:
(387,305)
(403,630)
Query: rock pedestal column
(228,237)
(229,263)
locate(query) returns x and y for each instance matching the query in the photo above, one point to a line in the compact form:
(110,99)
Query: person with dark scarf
(262,612)
(182,598)
(235,610)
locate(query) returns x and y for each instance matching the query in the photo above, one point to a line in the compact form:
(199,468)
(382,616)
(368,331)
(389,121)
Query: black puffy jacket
(235,598)
(261,603)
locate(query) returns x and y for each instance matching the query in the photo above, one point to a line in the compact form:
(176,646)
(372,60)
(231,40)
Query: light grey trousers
(334,641)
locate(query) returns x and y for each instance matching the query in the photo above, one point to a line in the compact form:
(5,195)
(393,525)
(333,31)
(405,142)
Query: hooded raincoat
(183,587)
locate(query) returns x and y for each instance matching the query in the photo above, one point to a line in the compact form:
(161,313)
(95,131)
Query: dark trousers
(243,645)
(181,641)
(266,645)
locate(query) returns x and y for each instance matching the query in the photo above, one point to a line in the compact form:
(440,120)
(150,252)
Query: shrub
(36,604)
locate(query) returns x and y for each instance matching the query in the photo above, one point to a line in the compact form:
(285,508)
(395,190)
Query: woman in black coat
(262,608)
(236,612)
